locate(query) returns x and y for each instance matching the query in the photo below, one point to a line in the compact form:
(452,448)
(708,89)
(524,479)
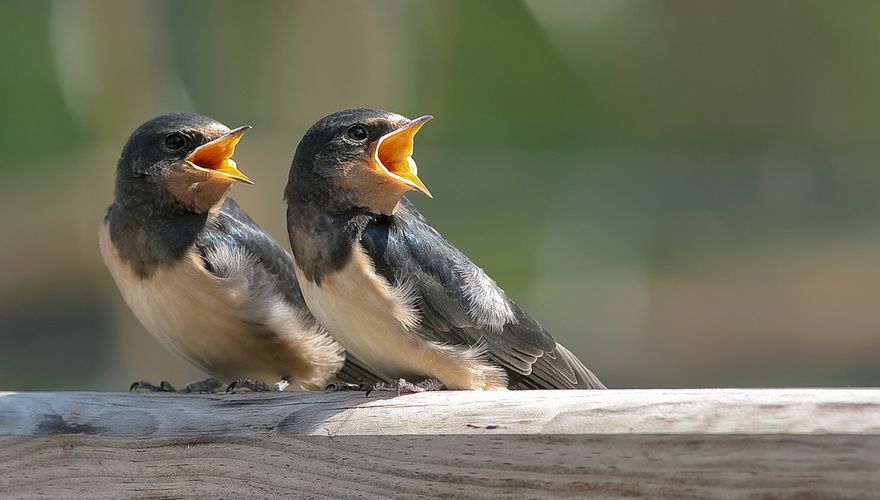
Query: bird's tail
(585,378)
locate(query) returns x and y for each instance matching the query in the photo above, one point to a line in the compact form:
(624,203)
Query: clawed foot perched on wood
(400,386)
(212,385)
(207,385)
(257,385)
(144,386)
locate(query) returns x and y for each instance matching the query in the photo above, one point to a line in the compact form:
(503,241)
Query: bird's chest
(369,317)
(182,305)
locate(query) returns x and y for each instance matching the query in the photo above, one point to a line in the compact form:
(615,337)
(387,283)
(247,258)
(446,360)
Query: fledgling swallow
(197,271)
(388,286)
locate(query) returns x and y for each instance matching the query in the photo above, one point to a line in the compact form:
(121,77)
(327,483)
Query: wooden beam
(814,443)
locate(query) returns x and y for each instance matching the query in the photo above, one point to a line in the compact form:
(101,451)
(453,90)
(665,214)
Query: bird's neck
(322,240)
(148,236)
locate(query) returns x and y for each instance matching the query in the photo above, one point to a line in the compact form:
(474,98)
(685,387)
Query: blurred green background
(683,192)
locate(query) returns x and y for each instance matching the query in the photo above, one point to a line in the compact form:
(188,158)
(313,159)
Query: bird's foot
(249,385)
(402,386)
(144,386)
(205,385)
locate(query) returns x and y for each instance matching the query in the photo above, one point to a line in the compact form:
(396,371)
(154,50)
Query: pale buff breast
(376,323)
(200,317)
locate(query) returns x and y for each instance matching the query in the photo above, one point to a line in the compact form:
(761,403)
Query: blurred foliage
(683,192)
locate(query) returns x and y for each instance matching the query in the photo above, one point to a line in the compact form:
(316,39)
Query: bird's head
(359,158)
(179,158)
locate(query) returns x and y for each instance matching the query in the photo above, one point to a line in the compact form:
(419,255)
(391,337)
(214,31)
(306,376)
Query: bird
(200,275)
(411,307)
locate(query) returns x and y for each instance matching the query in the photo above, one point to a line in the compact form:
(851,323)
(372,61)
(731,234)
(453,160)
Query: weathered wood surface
(793,443)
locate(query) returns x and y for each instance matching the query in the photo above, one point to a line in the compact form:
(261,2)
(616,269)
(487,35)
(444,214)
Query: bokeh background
(683,192)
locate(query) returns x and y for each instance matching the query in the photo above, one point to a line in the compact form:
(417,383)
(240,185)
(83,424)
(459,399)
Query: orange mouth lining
(393,154)
(216,156)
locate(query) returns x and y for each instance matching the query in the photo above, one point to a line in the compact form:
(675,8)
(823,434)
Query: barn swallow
(387,286)
(198,272)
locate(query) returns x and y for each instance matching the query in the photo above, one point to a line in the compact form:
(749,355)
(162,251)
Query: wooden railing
(787,443)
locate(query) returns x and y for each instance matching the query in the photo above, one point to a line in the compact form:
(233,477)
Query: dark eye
(175,141)
(357,133)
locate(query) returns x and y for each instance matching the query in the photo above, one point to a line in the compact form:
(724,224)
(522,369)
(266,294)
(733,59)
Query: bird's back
(459,303)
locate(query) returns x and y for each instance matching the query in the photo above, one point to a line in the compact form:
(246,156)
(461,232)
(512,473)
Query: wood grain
(797,443)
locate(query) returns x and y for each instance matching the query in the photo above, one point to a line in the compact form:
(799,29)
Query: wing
(271,271)
(232,228)
(459,303)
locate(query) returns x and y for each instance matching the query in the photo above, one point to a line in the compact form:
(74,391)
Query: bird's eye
(357,133)
(175,141)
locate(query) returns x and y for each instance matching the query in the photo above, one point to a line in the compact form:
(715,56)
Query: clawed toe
(432,384)
(402,386)
(248,384)
(144,386)
(211,385)
(207,385)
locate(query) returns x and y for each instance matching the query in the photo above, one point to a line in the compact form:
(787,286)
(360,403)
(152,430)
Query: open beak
(216,156)
(392,155)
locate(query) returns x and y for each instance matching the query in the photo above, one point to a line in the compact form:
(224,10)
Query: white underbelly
(180,307)
(190,312)
(369,318)
(377,323)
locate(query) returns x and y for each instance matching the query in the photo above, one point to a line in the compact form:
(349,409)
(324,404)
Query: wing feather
(272,274)
(459,304)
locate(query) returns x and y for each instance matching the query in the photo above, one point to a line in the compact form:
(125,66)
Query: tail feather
(585,378)
(557,369)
